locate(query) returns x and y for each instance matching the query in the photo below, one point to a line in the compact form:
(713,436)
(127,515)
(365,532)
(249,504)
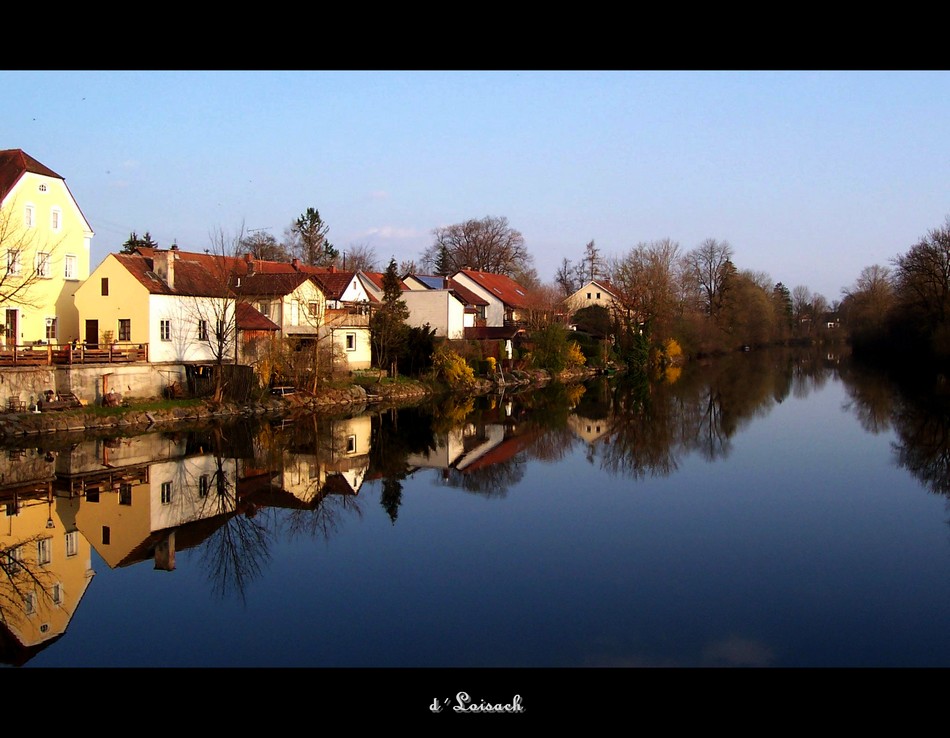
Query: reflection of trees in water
(22,577)
(916,410)
(872,398)
(654,423)
(489,481)
(236,552)
(922,425)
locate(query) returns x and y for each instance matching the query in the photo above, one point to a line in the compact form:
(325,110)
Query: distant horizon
(810,176)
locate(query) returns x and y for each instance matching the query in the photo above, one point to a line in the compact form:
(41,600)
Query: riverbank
(138,417)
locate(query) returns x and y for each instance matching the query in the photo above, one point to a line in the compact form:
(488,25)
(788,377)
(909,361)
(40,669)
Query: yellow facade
(125,299)
(44,257)
(46,564)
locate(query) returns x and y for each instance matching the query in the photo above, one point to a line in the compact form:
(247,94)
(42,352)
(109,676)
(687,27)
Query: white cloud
(392,232)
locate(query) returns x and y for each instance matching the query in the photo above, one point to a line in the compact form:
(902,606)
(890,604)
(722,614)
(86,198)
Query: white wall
(184,314)
(438,308)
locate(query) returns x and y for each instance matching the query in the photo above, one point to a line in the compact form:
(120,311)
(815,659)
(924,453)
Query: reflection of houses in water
(147,496)
(589,430)
(45,563)
(333,462)
(471,448)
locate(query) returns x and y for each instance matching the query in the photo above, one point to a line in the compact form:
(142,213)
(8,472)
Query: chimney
(332,269)
(249,260)
(164,264)
(295,264)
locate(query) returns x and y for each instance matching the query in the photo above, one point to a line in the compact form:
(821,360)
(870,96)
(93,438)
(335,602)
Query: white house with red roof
(505,299)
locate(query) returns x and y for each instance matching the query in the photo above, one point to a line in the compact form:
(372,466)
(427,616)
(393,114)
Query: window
(14,557)
(166,492)
(203,485)
(29,602)
(56,593)
(351,342)
(72,543)
(55,219)
(106,535)
(69,266)
(28,220)
(42,188)
(165,330)
(43,551)
(92,495)
(202,330)
(13,261)
(314,309)
(51,329)
(264,308)
(351,444)
(11,509)
(42,264)
(125,494)
(125,329)
(219,332)
(588,295)
(105,286)
(598,295)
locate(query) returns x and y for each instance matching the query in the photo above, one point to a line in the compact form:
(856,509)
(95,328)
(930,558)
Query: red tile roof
(504,288)
(271,283)
(13,163)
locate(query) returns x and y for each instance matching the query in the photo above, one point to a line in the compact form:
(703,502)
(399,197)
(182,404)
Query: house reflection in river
(145,496)
(45,562)
(332,457)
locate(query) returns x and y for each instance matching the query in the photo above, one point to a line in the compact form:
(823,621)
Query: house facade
(45,243)
(594,293)
(178,306)
(505,300)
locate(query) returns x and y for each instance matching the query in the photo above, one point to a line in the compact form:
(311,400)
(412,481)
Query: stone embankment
(131,419)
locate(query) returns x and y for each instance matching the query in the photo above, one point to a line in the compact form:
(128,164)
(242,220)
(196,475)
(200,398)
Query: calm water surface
(770,509)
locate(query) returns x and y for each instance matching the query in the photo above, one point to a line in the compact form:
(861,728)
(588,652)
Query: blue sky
(810,175)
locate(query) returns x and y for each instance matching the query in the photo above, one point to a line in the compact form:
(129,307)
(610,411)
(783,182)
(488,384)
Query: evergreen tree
(388,330)
(309,234)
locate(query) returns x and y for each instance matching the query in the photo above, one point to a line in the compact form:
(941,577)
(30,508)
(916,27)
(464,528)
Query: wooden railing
(68,353)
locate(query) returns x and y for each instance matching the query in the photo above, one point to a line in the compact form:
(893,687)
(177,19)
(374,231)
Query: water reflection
(233,493)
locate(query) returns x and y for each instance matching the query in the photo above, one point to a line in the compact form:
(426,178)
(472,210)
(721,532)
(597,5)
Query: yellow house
(44,252)
(45,561)
(596,292)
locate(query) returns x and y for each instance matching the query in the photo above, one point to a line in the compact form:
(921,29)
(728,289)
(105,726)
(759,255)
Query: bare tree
(262,245)
(488,245)
(27,260)
(361,257)
(705,265)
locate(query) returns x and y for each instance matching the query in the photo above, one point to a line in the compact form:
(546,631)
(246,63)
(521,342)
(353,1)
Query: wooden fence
(63,354)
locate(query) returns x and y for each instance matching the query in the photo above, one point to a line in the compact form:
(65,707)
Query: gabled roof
(604,285)
(467,296)
(335,283)
(504,288)
(271,284)
(251,319)
(14,163)
(430,281)
(192,278)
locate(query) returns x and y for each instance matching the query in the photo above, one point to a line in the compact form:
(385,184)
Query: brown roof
(251,319)
(504,288)
(271,283)
(334,283)
(13,163)
(195,278)
(468,297)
